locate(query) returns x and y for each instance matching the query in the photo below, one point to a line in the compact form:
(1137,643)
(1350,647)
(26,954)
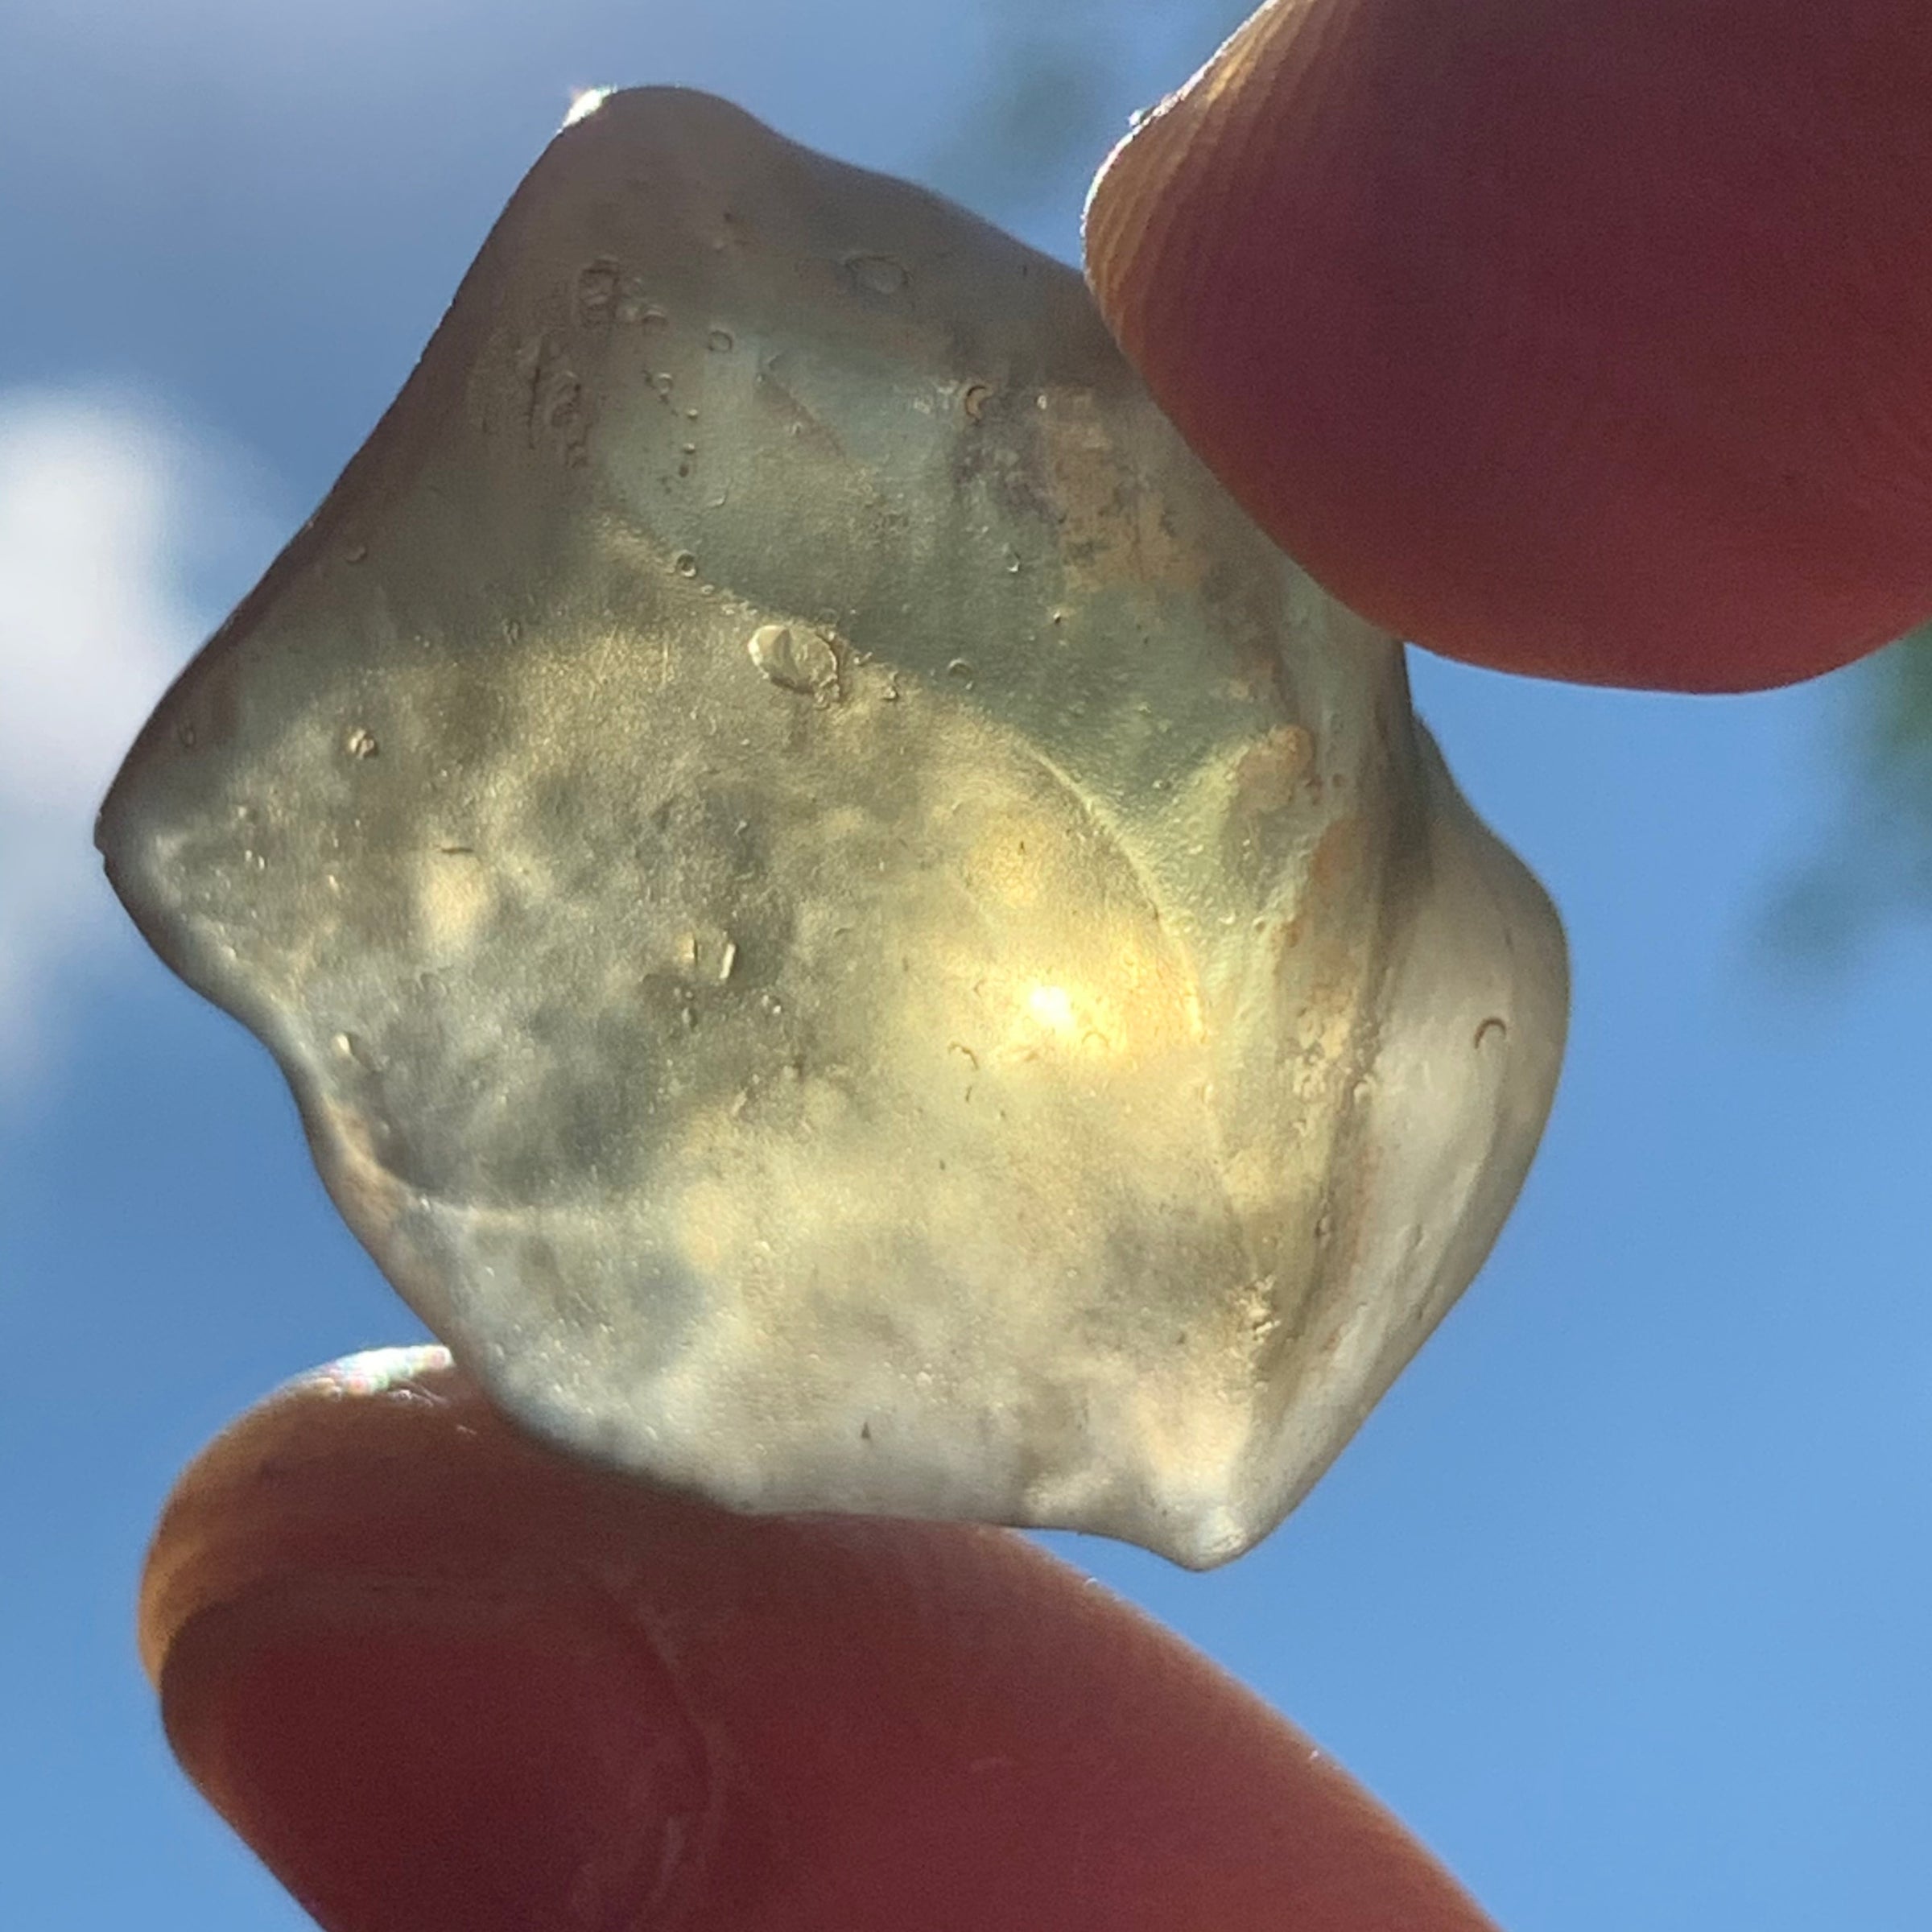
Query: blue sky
(1619,1599)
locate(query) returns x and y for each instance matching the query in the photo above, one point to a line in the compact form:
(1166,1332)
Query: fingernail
(411,1760)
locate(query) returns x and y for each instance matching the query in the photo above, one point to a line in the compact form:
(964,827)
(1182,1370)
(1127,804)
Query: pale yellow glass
(844,928)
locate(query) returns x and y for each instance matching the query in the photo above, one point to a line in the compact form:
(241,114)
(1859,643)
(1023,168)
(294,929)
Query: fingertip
(1594,347)
(438,1676)
(442,1761)
(263,1499)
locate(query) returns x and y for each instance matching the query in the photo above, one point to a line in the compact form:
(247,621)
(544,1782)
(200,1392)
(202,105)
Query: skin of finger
(1586,338)
(361,1594)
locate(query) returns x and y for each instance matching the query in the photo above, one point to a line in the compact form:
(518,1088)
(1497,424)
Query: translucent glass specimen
(844,928)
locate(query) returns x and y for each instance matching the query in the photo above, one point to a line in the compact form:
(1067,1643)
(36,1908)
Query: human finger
(439,1676)
(1587,338)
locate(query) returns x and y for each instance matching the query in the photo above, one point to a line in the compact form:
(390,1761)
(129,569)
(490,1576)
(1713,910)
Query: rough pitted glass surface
(844,928)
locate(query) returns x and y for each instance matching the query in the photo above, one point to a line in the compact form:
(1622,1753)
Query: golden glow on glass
(1053,1007)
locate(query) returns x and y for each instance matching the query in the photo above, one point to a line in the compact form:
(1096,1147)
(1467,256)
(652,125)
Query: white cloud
(107,512)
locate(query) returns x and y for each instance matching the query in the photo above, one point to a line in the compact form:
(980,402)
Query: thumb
(439,1677)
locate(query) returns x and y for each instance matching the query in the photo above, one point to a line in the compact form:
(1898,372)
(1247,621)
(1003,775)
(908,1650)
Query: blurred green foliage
(1900,747)
(1873,859)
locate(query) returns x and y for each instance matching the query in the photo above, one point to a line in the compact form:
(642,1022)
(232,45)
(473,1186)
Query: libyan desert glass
(845,929)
